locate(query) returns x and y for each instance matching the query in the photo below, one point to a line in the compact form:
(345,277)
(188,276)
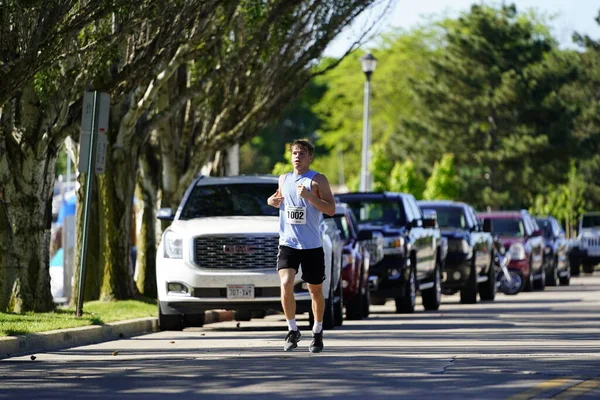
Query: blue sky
(570,16)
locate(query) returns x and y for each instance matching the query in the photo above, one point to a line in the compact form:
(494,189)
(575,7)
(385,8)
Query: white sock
(318,327)
(292,324)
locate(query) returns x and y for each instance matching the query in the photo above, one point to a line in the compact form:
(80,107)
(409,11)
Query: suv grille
(236,253)
(592,242)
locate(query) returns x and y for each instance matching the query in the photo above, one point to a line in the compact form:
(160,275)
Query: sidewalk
(12,346)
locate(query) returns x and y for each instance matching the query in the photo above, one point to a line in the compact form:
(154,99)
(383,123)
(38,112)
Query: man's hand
(302,191)
(275,199)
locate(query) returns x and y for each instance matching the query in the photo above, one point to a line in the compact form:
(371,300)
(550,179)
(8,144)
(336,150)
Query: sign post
(92,158)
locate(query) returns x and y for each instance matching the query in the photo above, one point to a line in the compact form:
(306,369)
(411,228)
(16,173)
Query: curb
(13,346)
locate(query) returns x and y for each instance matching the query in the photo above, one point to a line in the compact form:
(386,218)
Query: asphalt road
(533,345)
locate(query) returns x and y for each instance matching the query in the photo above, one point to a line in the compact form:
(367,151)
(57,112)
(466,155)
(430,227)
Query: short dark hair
(305,144)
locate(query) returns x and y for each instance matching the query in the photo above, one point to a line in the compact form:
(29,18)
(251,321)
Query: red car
(355,263)
(520,235)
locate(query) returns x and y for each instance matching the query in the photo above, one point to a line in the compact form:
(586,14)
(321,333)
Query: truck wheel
(194,320)
(487,289)
(468,294)
(172,322)
(552,279)
(540,284)
(565,280)
(406,304)
(588,268)
(432,298)
(366,298)
(529,282)
(354,308)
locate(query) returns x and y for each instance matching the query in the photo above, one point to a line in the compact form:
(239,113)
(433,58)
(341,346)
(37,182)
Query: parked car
(556,257)
(355,261)
(220,252)
(413,248)
(469,266)
(520,234)
(586,250)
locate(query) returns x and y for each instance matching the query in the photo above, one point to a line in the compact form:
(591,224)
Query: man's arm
(320,196)
(276,198)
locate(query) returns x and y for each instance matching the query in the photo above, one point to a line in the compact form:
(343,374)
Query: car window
(545,225)
(378,211)
(590,221)
(415,207)
(449,217)
(471,218)
(229,200)
(342,224)
(513,227)
(410,214)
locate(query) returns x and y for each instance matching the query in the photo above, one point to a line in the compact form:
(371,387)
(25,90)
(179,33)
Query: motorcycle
(509,281)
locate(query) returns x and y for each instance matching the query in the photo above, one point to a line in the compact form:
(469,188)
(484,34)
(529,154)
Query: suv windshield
(378,212)
(590,221)
(449,217)
(546,226)
(244,199)
(507,227)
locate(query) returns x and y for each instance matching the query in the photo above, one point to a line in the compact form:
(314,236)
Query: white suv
(587,252)
(220,252)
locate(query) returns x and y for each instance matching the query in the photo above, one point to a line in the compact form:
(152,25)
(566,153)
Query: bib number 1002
(297,215)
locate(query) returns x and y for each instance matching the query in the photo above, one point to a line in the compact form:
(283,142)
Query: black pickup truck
(413,248)
(469,266)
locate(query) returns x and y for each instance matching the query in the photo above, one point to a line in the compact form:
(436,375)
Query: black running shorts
(312,261)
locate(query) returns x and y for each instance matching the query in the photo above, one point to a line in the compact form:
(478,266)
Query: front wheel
(552,278)
(468,294)
(432,298)
(170,322)
(487,289)
(406,304)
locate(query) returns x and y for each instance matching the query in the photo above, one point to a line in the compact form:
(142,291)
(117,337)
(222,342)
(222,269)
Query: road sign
(95,111)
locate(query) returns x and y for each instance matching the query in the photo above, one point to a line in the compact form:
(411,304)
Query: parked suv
(412,248)
(469,266)
(220,252)
(519,233)
(556,252)
(356,260)
(586,250)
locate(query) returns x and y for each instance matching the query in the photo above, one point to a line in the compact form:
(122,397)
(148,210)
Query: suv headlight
(173,245)
(393,245)
(517,251)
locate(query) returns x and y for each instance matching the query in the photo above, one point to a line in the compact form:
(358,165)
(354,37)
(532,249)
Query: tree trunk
(148,184)
(26,182)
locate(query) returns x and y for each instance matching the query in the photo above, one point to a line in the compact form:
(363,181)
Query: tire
(529,282)
(194,320)
(329,315)
(540,284)
(588,268)
(354,308)
(243,315)
(366,298)
(468,294)
(487,289)
(406,304)
(565,280)
(575,266)
(515,286)
(338,306)
(552,279)
(172,322)
(432,298)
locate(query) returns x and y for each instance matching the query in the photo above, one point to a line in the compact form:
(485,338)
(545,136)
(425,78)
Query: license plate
(240,291)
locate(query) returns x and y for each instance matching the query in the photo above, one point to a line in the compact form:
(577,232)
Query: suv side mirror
(429,219)
(365,235)
(165,214)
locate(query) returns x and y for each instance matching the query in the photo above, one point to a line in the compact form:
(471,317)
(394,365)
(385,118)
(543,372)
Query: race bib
(295,215)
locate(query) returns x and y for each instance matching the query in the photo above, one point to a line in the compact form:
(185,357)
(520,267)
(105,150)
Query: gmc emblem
(237,249)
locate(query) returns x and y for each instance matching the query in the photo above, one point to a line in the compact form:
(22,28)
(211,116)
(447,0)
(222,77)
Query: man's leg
(288,302)
(318,307)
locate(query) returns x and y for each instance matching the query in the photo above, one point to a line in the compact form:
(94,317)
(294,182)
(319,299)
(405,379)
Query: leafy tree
(405,178)
(380,168)
(443,182)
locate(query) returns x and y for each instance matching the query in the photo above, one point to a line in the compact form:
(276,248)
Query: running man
(302,197)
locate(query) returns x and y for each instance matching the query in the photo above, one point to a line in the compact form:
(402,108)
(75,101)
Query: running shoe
(317,344)
(291,340)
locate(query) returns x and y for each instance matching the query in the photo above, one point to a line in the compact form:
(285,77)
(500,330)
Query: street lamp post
(368,64)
